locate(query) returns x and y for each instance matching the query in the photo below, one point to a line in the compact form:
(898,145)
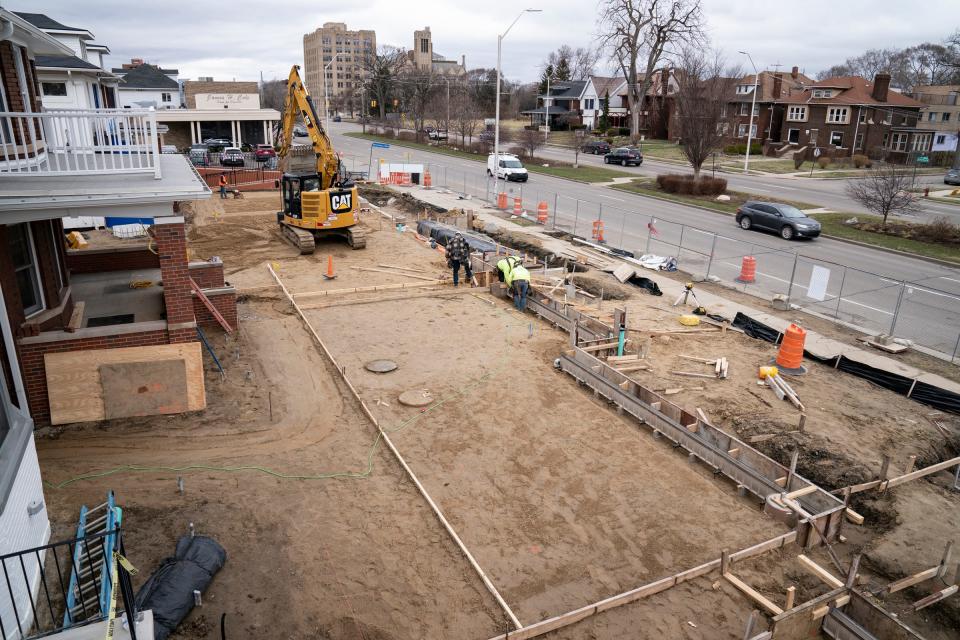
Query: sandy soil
(561,500)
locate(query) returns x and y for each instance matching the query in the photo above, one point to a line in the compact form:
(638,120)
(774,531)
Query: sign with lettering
(227,101)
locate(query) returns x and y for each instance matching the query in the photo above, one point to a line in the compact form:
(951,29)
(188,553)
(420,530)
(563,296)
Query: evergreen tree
(562,71)
(548,72)
(605,111)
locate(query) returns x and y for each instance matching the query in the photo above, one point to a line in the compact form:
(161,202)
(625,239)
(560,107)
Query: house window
(898,142)
(858,143)
(588,103)
(822,93)
(26,273)
(941,139)
(744,88)
(838,115)
(793,136)
(797,114)
(165,97)
(836,138)
(424,45)
(742,131)
(54,88)
(945,117)
(863,117)
(921,142)
(932,117)
(744,108)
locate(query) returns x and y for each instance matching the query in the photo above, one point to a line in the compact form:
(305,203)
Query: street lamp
(753,107)
(326,91)
(496,123)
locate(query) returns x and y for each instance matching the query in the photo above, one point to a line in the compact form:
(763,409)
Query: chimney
(665,80)
(795,73)
(463,61)
(777,86)
(881,87)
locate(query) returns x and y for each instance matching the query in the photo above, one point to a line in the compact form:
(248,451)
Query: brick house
(850,115)
(658,109)
(771,87)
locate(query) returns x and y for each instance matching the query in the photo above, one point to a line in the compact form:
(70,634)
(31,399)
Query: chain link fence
(912,310)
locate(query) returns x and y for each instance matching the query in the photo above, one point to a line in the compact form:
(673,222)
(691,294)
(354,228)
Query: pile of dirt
(406,202)
(597,283)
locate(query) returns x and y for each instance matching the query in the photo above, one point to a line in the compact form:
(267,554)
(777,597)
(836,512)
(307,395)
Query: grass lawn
(832,224)
(582,173)
(647,187)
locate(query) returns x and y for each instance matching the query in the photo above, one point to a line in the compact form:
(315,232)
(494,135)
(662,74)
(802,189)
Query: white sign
(227,101)
(819,277)
(816,153)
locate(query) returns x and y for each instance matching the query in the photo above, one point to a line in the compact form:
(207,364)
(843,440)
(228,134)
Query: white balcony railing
(78,142)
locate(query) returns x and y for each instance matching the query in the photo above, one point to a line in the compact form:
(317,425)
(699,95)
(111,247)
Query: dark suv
(784,219)
(624,156)
(596,147)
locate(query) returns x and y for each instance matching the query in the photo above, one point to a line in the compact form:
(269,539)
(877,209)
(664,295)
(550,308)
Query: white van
(508,168)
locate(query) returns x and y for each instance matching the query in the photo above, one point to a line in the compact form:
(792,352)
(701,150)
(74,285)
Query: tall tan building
(344,51)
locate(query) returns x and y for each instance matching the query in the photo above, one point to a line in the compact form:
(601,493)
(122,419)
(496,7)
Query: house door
(793,136)
(814,133)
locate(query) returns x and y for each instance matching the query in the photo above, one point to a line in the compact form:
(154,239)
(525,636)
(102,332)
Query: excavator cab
(291,188)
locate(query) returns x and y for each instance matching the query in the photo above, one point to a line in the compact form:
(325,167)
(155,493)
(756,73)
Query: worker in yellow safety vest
(511,271)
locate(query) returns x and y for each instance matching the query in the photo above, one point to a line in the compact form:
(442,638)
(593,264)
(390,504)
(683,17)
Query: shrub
(685,185)
(824,161)
(741,149)
(520,152)
(940,230)
(608,140)
(621,131)
(860,161)
(797,160)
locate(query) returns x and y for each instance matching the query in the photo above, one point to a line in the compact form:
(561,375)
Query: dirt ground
(561,500)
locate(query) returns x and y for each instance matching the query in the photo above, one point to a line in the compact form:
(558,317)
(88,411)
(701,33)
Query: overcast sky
(242,38)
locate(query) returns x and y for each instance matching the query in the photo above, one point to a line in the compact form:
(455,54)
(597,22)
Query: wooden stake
(934,598)
(824,575)
(724,562)
(791,595)
(753,594)
(912,460)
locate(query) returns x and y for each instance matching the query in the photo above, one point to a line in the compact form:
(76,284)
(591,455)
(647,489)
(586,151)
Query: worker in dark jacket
(458,253)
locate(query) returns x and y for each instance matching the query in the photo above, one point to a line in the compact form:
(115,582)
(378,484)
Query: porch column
(239,136)
(270,131)
(193,133)
(171,239)
(264,125)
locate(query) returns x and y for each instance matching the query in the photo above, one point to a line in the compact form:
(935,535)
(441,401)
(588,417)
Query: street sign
(923,159)
(380,145)
(816,153)
(163,129)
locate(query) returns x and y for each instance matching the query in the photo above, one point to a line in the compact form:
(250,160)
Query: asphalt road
(871,281)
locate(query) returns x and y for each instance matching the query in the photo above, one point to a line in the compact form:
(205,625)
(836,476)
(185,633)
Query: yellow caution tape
(112,616)
(132,570)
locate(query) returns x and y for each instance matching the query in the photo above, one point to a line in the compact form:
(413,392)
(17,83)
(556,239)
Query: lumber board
(691,374)
(818,571)
(627,358)
(600,347)
(76,317)
(853,516)
(802,492)
(625,367)
(74,387)
(143,388)
(753,594)
(445,294)
(396,266)
(392,272)
(946,464)
(378,287)
(762,547)
(909,581)
(933,598)
(703,416)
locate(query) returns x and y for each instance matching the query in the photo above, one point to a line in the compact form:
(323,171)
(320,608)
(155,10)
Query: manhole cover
(416,398)
(380,366)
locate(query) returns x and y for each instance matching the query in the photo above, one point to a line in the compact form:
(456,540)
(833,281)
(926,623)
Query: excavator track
(356,237)
(300,238)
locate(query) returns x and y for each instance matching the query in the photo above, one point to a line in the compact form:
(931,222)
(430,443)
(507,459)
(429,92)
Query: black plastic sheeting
(755,329)
(169,591)
(923,392)
(646,283)
(443,232)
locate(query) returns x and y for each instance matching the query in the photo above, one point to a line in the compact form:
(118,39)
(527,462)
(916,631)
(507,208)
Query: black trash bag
(169,591)
(755,329)
(646,283)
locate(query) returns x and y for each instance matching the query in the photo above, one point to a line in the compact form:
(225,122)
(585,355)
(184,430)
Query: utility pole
(753,107)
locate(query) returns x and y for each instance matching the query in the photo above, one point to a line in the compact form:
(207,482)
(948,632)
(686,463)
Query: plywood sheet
(74,387)
(143,388)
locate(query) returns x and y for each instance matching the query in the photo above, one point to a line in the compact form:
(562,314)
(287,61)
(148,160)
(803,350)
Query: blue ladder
(88,596)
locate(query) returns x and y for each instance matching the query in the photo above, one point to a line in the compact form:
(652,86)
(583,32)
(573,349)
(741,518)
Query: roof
(146,76)
(854,90)
(65,62)
(566,89)
(790,86)
(41,21)
(93,46)
(554,110)
(602,84)
(124,70)
(37,40)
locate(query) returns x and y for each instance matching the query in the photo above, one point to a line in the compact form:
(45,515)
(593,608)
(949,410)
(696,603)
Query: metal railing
(61,142)
(914,309)
(36,586)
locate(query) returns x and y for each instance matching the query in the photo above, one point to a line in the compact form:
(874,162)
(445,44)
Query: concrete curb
(906,254)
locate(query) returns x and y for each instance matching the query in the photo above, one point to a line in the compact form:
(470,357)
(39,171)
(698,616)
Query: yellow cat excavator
(322,200)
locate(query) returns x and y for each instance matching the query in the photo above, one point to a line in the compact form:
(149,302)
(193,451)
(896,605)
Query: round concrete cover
(380,366)
(416,398)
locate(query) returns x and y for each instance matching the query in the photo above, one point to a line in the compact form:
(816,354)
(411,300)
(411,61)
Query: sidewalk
(816,344)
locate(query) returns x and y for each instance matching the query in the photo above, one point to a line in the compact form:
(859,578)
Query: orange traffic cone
(790,357)
(517,207)
(542,213)
(748,270)
(329,275)
(427,182)
(502,201)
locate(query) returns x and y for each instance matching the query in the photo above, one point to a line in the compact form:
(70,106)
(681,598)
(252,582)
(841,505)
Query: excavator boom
(298,103)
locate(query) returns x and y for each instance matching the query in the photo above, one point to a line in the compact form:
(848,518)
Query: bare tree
(884,191)
(529,140)
(703,90)
(417,88)
(465,115)
(635,28)
(380,71)
(584,63)
(272,94)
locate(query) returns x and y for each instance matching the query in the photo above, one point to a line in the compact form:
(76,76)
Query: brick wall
(192,87)
(11,293)
(178,135)
(174,272)
(9,72)
(35,375)
(209,275)
(225,302)
(99,260)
